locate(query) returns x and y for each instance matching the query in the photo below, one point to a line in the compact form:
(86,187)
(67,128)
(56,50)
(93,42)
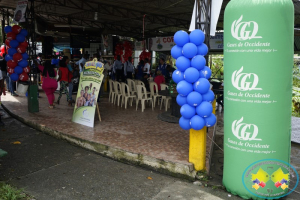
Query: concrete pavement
(49,168)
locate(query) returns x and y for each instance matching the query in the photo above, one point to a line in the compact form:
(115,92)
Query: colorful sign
(138,46)
(89,86)
(19,14)
(258,60)
(270,178)
(216,42)
(161,43)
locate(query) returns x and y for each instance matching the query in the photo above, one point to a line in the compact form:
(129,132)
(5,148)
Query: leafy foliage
(217,68)
(8,192)
(296,90)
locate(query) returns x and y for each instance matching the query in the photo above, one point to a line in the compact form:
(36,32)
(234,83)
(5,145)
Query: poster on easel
(88,90)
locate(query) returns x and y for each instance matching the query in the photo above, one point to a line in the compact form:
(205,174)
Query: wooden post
(197,150)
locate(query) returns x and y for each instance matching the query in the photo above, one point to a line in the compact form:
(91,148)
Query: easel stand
(98,111)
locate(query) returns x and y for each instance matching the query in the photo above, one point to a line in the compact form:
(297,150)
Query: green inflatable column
(258,61)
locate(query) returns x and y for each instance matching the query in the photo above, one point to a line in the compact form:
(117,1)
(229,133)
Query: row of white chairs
(135,89)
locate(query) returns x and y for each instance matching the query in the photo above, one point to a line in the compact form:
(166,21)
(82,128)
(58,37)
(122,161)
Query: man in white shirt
(82,62)
(128,68)
(147,66)
(118,65)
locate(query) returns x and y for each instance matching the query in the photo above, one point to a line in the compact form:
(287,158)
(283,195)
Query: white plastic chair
(118,93)
(138,82)
(126,95)
(111,91)
(165,99)
(154,92)
(142,96)
(132,87)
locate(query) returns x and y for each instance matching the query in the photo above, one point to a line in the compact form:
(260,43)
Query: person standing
(128,68)
(147,67)
(70,76)
(4,73)
(118,65)
(49,83)
(82,62)
(63,79)
(162,66)
(140,70)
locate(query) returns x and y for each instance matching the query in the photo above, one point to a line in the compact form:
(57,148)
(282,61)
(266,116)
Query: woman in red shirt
(63,77)
(159,79)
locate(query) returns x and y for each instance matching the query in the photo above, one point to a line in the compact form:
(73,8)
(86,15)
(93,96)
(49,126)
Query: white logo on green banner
(244,131)
(244,81)
(244,30)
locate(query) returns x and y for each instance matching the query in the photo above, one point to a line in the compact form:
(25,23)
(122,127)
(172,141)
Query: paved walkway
(49,168)
(127,135)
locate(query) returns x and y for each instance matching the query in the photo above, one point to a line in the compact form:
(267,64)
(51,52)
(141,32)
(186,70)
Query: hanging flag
(19,15)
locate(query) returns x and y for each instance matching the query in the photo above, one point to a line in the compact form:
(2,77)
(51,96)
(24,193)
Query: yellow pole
(105,84)
(214,106)
(197,150)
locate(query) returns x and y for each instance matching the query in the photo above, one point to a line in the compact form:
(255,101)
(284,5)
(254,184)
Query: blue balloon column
(191,76)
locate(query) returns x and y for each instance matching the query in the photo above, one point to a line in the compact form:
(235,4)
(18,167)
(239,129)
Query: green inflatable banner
(258,61)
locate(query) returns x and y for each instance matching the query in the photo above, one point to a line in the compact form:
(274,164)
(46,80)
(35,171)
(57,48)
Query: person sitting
(159,79)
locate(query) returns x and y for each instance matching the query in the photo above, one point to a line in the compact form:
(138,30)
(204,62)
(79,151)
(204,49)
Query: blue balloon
(7,29)
(18,70)
(14,77)
(25,56)
(176,51)
(197,123)
(209,96)
(202,49)
(191,75)
(23,63)
(210,120)
(204,109)
(8,57)
(194,99)
(189,50)
(184,123)
(205,72)
(182,63)
(14,43)
(177,76)
(202,85)
(12,51)
(198,62)
(184,88)
(197,37)
(24,32)
(181,100)
(187,111)
(20,38)
(181,38)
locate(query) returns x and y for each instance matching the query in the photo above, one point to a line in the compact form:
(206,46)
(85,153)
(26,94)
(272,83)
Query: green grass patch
(7,192)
